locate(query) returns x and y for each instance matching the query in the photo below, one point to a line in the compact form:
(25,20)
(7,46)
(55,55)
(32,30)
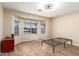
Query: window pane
(26,27)
(16,27)
(43,28)
(34,28)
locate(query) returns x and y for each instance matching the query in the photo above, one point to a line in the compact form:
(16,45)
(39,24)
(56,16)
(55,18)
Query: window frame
(43,23)
(14,18)
(34,28)
(24,26)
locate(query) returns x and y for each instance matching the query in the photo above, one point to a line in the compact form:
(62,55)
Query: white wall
(1,22)
(67,26)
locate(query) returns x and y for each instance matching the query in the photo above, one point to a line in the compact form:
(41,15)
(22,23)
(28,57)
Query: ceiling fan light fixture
(49,6)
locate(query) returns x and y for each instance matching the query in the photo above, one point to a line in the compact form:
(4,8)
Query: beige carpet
(34,48)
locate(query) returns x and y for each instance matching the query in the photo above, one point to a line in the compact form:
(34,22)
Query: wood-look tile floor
(34,48)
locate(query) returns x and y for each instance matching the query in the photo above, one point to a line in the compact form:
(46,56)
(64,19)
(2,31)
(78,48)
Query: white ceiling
(32,7)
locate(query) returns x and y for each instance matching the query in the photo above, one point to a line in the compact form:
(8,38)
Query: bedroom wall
(8,26)
(67,26)
(1,22)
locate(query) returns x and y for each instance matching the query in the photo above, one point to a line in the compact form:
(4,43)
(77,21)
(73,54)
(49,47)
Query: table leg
(53,49)
(41,43)
(64,44)
(71,42)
